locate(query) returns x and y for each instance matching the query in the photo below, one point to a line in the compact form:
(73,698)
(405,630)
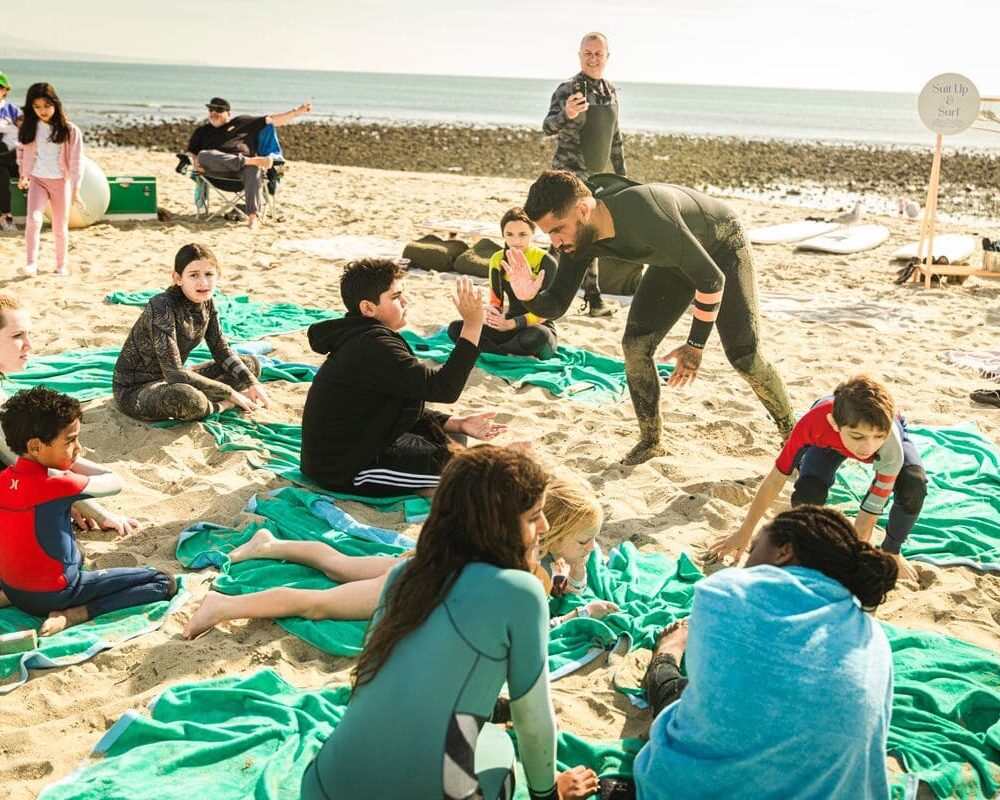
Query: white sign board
(948,104)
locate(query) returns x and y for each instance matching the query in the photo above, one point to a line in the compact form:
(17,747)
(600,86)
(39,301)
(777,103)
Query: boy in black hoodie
(365,430)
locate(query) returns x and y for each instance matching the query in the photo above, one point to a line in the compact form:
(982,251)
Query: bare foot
(4,600)
(643,451)
(58,621)
(673,640)
(252,223)
(257,547)
(209,614)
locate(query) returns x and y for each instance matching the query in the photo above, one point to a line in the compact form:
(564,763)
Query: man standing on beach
(583,116)
(696,250)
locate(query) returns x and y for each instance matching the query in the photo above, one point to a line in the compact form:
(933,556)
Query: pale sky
(889,45)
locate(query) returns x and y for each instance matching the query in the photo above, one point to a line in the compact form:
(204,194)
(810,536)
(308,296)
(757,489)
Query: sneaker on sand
(7,224)
(62,270)
(28,270)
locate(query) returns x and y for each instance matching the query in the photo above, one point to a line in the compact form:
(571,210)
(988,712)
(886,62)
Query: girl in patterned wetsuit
(151,381)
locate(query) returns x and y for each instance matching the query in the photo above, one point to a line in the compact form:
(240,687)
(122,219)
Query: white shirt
(47,158)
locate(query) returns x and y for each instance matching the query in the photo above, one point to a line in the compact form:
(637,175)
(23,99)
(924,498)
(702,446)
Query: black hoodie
(369,391)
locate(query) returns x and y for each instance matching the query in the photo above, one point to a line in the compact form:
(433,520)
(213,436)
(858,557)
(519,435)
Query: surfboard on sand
(853,239)
(790,231)
(956,247)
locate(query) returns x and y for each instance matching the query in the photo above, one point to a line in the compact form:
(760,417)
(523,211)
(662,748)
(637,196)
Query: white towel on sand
(344,248)
(985,362)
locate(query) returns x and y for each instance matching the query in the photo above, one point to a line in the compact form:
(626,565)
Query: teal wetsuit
(412,732)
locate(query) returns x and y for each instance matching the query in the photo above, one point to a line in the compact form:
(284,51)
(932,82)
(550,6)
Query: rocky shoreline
(778,169)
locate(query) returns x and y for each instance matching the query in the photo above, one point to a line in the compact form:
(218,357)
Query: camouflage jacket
(569,133)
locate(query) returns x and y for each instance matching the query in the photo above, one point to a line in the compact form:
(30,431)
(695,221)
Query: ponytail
(824,540)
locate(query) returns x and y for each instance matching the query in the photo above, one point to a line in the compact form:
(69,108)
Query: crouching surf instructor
(696,250)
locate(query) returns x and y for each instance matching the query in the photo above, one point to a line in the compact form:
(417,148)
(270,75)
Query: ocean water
(96,93)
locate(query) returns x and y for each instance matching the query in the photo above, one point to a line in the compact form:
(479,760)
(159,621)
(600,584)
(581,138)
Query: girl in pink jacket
(50,161)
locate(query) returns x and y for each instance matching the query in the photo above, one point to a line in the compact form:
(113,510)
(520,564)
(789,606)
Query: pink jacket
(71,157)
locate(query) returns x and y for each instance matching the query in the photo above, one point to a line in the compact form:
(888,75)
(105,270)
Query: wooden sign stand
(928,268)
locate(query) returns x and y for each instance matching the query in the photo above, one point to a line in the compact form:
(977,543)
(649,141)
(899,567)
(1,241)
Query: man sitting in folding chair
(227,148)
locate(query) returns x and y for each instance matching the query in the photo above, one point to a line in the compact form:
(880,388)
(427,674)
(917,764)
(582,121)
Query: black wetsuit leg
(662,297)
(535,340)
(8,170)
(739,326)
(663,682)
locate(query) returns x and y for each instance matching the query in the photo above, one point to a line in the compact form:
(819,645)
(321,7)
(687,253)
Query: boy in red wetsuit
(40,562)
(859,421)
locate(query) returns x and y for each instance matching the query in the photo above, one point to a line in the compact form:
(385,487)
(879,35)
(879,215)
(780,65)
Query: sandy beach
(719,439)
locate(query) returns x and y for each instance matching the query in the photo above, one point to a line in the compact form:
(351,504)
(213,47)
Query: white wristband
(583,612)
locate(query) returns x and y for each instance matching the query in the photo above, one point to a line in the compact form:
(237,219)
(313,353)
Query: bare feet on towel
(258,547)
(58,621)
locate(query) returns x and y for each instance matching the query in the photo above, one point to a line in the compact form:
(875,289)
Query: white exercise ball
(95,194)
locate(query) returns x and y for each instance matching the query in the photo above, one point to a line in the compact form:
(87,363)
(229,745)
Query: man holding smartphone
(583,116)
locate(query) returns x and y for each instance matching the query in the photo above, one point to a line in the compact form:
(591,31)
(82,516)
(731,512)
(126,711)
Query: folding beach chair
(232,196)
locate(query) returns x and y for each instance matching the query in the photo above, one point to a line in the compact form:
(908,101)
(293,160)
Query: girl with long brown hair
(456,621)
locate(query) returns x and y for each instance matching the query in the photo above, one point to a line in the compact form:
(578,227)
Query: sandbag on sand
(476,260)
(433,252)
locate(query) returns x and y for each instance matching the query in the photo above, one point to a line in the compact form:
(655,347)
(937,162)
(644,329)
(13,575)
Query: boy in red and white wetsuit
(40,562)
(859,421)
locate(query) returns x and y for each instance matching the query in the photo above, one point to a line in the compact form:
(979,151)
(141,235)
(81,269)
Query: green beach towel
(79,642)
(88,374)
(241,318)
(277,445)
(651,589)
(243,737)
(960,521)
(287,514)
(567,373)
(254,736)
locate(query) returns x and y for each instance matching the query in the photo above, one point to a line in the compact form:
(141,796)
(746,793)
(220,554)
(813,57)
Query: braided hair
(824,540)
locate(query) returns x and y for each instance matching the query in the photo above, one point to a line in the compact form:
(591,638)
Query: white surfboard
(956,247)
(790,231)
(853,239)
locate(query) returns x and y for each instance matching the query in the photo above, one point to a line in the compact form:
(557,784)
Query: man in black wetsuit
(695,249)
(583,116)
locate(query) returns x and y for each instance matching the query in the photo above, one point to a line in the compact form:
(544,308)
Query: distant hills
(13,47)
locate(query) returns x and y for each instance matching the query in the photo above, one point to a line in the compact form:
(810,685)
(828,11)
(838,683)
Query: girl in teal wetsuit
(457,620)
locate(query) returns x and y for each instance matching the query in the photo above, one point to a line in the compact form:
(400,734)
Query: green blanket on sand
(240,317)
(571,371)
(87,374)
(254,736)
(946,719)
(960,521)
(241,737)
(595,378)
(651,589)
(79,642)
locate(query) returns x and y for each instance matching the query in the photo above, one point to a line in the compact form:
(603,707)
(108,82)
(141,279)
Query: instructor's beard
(586,235)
